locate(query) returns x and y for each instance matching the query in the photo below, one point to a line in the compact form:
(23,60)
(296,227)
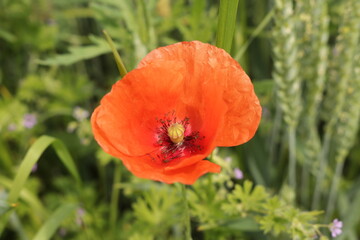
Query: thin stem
(119,62)
(292,157)
(254,34)
(16,224)
(321,172)
(115,198)
(275,134)
(333,190)
(186,218)
(305,183)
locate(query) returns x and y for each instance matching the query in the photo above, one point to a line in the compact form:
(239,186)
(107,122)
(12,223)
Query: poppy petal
(127,115)
(186,175)
(243,113)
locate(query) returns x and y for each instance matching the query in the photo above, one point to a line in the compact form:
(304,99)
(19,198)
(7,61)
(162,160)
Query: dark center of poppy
(176,138)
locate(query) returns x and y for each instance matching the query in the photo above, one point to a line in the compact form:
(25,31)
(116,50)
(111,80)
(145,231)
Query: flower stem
(186,219)
(275,134)
(304,189)
(333,190)
(292,158)
(115,198)
(119,62)
(254,34)
(226,24)
(321,171)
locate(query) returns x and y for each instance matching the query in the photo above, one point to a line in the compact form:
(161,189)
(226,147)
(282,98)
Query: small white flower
(80,113)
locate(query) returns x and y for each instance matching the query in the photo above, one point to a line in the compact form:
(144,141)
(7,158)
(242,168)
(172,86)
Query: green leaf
(4,206)
(50,226)
(7,36)
(264,87)
(29,197)
(6,162)
(79,53)
(226,24)
(118,60)
(235,224)
(31,157)
(242,224)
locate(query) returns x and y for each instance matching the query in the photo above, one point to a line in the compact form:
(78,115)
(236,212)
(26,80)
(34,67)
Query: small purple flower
(34,168)
(238,174)
(29,120)
(62,232)
(50,21)
(228,159)
(80,212)
(336,227)
(80,113)
(12,127)
(265,112)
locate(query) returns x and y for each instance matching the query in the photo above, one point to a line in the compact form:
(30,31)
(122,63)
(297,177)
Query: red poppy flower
(167,115)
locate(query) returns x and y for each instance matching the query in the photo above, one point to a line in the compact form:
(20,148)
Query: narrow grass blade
(50,226)
(66,159)
(5,162)
(119,62)
(226,24)
(28,197)
(197,14)
(31,157)
(254,34)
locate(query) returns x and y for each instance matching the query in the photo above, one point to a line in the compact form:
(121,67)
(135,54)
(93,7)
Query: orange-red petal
(243,108)
(185,175)
(127,115)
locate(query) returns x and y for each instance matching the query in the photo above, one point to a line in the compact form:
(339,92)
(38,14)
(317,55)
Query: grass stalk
(333,189)
(254,34)
(119,62)
(186,219)
(321,171)
(292,157)
(226,24)
(305,176)
(115,198)
(286,76)
(275,134)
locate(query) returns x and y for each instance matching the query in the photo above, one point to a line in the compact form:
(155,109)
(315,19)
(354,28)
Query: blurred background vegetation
(55,65)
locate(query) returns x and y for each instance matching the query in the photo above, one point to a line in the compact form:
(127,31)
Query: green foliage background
(301,169)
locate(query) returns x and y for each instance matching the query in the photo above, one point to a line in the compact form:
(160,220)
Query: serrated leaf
(79,53)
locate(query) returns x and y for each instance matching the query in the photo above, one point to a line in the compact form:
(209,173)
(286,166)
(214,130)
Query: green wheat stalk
(348,122)
(286,75)
(340,74)
(313,33)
